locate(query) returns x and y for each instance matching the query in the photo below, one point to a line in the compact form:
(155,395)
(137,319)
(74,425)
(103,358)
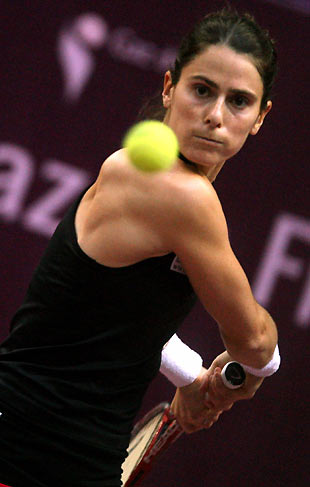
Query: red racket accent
(167,431)
(159,429)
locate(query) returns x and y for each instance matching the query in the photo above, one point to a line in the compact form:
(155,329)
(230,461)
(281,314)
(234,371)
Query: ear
(167,90)
(260,119)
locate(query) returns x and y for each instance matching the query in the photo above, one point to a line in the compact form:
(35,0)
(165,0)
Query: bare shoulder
(169,194)
(141,215)
(197,194)
(196,210)
(175,203)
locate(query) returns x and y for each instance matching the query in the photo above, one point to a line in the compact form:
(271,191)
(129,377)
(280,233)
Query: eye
(202,90)
(240,101)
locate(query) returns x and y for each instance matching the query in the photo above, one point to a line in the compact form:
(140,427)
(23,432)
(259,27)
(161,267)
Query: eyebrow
(232,90)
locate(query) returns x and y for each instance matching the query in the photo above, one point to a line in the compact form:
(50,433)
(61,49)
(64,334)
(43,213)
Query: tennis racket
(158,429)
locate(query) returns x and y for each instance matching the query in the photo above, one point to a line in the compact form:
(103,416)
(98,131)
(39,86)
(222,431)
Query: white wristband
(269,369)
(179,363)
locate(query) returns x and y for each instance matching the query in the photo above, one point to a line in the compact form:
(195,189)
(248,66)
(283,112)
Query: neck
(184,159)
(208,173)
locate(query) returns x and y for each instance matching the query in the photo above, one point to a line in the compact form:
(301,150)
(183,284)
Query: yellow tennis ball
(151,145)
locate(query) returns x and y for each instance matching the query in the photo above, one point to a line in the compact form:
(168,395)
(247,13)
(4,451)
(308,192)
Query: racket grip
(233,375)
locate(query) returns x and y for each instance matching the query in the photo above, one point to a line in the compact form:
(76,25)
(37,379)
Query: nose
(214,114)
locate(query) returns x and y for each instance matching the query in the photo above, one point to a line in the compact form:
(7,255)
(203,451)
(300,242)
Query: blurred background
(74,75)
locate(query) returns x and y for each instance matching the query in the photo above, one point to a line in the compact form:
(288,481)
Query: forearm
(254,346)
(192,407)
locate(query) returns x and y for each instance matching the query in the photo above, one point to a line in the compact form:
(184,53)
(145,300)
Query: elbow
(261,352)
(255,345)
(263,343)
(256,353)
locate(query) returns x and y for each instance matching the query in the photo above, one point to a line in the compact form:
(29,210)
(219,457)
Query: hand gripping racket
(158,429)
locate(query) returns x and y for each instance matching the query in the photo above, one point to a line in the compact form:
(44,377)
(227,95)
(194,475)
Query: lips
(209,139)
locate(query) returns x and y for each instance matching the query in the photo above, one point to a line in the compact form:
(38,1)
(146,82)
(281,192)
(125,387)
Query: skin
(214,106)
(128,216)
(218,98)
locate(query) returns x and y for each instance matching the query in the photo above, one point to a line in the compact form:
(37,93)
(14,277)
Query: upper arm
(203,246)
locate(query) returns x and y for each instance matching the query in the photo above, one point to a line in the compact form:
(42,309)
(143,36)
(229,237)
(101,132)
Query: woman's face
(215,105)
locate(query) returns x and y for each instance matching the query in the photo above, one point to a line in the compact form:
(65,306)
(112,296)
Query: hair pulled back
(239,32)
(226,27)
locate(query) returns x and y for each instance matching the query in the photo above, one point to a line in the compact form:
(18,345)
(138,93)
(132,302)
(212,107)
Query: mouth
(209,139)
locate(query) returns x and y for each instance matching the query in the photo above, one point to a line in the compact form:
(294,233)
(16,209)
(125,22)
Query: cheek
(238,134)
(184,105)
(181,116)
(242,126)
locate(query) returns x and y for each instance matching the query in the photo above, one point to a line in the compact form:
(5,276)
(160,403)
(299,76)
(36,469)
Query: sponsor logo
(286,263)
(176,266)
(19,172)
(89,32)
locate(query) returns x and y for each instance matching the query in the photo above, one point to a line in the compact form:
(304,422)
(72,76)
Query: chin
(205,159)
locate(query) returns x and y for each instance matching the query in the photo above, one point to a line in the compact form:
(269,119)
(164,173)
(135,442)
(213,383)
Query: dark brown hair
(241,33)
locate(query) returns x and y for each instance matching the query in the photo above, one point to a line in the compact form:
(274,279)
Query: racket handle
(233,375)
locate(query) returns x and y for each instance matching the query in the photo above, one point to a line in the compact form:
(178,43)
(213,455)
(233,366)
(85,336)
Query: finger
(210,422)
(214,390)
(208,425)
(202,421)
(221,388)
(207,401)
(220,396)
(191,428)
(204,384)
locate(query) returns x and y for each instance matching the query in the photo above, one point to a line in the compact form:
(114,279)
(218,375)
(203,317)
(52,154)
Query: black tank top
(87,340)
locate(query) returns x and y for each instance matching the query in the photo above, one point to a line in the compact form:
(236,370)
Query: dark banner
(73,77)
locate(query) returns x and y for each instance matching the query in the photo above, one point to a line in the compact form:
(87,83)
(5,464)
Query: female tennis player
(124,268)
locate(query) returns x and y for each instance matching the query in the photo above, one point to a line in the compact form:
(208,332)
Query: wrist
(269,369)
(179,363)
